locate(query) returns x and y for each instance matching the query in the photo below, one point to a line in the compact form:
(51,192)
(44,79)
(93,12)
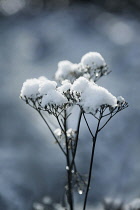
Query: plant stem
(76,140)
(91,161)
(69,175)
(88,126)
(90,172)
(51,131)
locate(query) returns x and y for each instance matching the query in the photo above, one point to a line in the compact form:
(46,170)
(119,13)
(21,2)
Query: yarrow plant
(75,85)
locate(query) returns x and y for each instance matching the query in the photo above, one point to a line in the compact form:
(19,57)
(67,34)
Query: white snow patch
(65,70)
(66,85)
(92,96)
(30,88)
(46,86)
(93,60)
(53,98)
(80,85)
(120,99)
(58,132)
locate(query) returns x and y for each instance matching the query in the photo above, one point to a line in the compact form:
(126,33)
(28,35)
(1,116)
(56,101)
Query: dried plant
(75,86)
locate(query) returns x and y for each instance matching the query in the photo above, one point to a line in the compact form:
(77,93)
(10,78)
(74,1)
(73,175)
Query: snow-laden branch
(75,85)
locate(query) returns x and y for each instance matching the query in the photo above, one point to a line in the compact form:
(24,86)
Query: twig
(91,161)
(76,140)
(51,131)
(88,126)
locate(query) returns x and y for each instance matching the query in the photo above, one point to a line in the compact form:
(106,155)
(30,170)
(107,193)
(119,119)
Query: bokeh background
(34,36)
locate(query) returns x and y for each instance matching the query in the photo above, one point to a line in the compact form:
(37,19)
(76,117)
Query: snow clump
(93,60)
(30,88)
(92,96)
(66,70)
(58,132)
(120,100)
(71,133)
(53,98)
(43,90)
(77,87)
(46,86)
(92,66)
(66,85)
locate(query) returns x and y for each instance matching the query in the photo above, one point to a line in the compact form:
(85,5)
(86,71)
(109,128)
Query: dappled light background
(34,36)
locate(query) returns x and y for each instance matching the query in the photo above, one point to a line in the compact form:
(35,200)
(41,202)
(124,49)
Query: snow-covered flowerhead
(66,86)
(80,85)
(92,66)
(43,93)
(92,96)
(77,87)
(30,88)
(46,86)
(93,60)
(67,70)
(120,100)
(53,98)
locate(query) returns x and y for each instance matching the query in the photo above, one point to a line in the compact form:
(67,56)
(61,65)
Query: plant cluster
(75,85)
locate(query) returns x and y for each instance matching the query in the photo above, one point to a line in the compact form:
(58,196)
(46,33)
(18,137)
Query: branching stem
(91,160)
(69,175)
(76,140)
(51,131)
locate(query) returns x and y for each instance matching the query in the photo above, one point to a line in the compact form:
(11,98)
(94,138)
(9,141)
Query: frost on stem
(71,135)
(58,132)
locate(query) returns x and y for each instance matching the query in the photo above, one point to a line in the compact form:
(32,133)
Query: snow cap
(93,60)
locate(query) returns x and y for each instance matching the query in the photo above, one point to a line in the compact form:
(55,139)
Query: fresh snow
(53,98)
(66,85)
(65,69)
(30,88)
(46,86)
(93,60)
(92,96)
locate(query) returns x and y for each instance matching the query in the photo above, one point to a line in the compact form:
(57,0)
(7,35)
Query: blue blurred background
(34,36)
